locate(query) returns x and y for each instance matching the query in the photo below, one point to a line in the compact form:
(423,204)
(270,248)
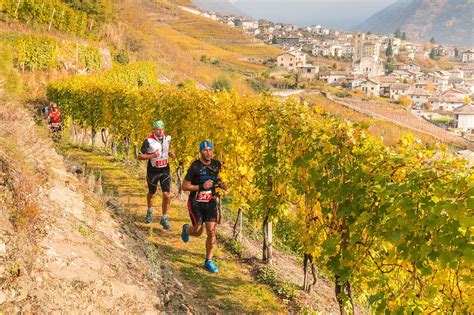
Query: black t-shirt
(198,173)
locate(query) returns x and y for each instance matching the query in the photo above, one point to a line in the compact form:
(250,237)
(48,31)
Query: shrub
(222,83)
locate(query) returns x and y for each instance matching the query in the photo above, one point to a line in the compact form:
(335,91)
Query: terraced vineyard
(223,36)
(404,118)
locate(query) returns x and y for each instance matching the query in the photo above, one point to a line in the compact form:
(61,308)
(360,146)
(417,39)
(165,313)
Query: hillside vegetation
(181,44)
(185,45)
(360,228)
(390,226)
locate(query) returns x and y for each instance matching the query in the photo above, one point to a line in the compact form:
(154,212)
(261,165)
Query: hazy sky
(339,14)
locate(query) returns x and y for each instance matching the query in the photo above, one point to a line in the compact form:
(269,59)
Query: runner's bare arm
(147,156)
(223,186)
(187,186)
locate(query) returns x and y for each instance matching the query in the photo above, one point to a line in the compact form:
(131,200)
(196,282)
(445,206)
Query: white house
(401,75)
(333,77)
(315,29)
(249,25)
(321,51)
(355,83)
(336,51)
(464,118)
(371,88)
(347,50)
(369,66)
(448,100)
(398,89)
(419,97)
(457,73)
(467,56)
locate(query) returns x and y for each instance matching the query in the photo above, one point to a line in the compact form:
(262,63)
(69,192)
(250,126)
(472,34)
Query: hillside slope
(185,45)
(61,249)
(448,21)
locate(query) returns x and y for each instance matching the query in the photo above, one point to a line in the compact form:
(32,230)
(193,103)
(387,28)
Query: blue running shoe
(149,215)
(164,222)
(184,235)
(209,265)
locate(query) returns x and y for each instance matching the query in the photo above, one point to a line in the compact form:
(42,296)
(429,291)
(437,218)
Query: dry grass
(210,31)
(23,165)
(177,40)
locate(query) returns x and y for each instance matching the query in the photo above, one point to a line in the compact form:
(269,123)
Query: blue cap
(205,144)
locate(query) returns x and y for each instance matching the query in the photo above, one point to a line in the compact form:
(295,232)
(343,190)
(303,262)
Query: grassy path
(232,290)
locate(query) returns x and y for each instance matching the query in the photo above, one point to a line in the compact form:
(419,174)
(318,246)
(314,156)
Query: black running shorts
(200,212)
(162,177)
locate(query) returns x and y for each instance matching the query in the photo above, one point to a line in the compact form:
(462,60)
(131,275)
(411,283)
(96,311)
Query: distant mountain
(448,21)
(220,6)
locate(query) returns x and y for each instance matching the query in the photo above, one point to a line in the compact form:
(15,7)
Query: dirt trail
(74,255)
(233,289)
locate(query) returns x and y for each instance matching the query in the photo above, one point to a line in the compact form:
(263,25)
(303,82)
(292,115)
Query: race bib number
(204,196)
(161,163)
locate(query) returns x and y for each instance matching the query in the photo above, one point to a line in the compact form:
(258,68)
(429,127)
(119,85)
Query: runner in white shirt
(156,149)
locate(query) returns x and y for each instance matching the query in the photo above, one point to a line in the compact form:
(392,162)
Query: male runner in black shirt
(201,180)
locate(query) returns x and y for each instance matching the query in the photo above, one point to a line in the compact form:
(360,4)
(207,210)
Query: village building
(333,77)
(448,100)
(308,72)
(291,60)
(371,88)
(385,83)
(397,90)
(467,56)
(464,118)
(419,97)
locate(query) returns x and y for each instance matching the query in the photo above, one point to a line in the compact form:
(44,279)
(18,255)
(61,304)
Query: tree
(433,54)
(389,50)
(467,100)
(274,40)
(404,36)
(398,33)
(389,66)
(405,101)
(432,40)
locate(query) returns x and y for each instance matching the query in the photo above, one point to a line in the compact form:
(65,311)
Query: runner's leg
(195,214)
(152,181)
(165,183)
(211,230)
(149,200)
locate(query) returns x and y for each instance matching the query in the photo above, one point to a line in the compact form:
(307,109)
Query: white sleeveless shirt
(161,146)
